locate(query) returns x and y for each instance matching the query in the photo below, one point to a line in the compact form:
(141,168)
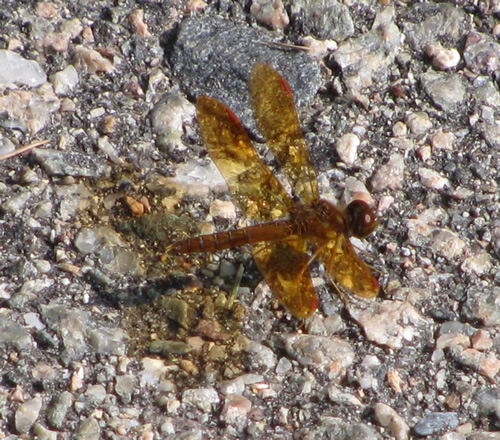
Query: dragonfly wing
(253,186)
(276,117)
(284,265)
(346,268)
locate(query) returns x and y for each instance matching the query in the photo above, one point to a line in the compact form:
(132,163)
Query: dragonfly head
(361,219)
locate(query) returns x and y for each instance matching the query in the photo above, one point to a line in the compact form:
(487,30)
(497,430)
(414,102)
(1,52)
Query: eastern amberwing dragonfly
(296,230)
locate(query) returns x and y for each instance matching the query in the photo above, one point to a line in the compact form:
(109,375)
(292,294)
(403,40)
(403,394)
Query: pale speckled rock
(89,429)
(368,59)
(91,61)
(27,413)
(260,356)
(446,90)
(96,393)
(491,134)
(482,53)
(367,372)
(390,175)
(235,411)
(42,433)
(124,387)
(399,129)
(222,208)
(391,420)
(272,13)
(442,140)
(65,81)
(29,290)
(419,123)
(18,70)
(447,243)
(75,329)
(107,244)
(479,263)
(389,323)
(347,148)
(194,179)
(233,386)
(331,355)
(486,364)
(108,340)
(485,91)
(28,110)
(432,179)
(168,118)
(442,58)
(201,398)
(340,397)
(6,145)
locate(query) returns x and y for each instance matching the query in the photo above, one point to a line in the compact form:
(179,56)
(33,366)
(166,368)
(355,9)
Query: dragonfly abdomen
(236,237)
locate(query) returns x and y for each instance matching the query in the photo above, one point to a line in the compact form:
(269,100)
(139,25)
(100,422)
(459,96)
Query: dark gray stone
(214,57)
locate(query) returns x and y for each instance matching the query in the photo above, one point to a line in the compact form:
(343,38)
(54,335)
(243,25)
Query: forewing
(347,269)
(284,265)
(253,186)
(276,117)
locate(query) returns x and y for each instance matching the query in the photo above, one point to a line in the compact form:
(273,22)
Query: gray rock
(324,19)
(446,90)
(168,348)
(14,335)
(488,403)
(89,429)
(339,429)
(58,409)
(369,58)
(69,163)
(27,413)
(482,54)
(260,356)
(436,422)
(483,305)
(124,387)
(428,22)
(108,340)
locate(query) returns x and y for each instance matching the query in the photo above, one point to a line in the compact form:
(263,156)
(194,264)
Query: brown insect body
(281,247)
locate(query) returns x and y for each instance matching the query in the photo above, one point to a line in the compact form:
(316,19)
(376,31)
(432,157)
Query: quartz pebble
(16,69)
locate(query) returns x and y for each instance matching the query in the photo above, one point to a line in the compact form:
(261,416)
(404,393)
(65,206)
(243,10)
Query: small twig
(236,286)
(23,149)
(285,45)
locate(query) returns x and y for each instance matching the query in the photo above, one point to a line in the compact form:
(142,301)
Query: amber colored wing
(284,266)
(347,269)
(276,117)
(253,186)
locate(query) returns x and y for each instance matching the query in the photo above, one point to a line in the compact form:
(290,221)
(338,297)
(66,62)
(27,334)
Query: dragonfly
(296,229)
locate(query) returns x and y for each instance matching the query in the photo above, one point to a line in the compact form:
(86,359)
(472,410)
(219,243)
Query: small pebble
(435,423)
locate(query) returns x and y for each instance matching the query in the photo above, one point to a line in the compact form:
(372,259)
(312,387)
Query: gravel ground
(104,335)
